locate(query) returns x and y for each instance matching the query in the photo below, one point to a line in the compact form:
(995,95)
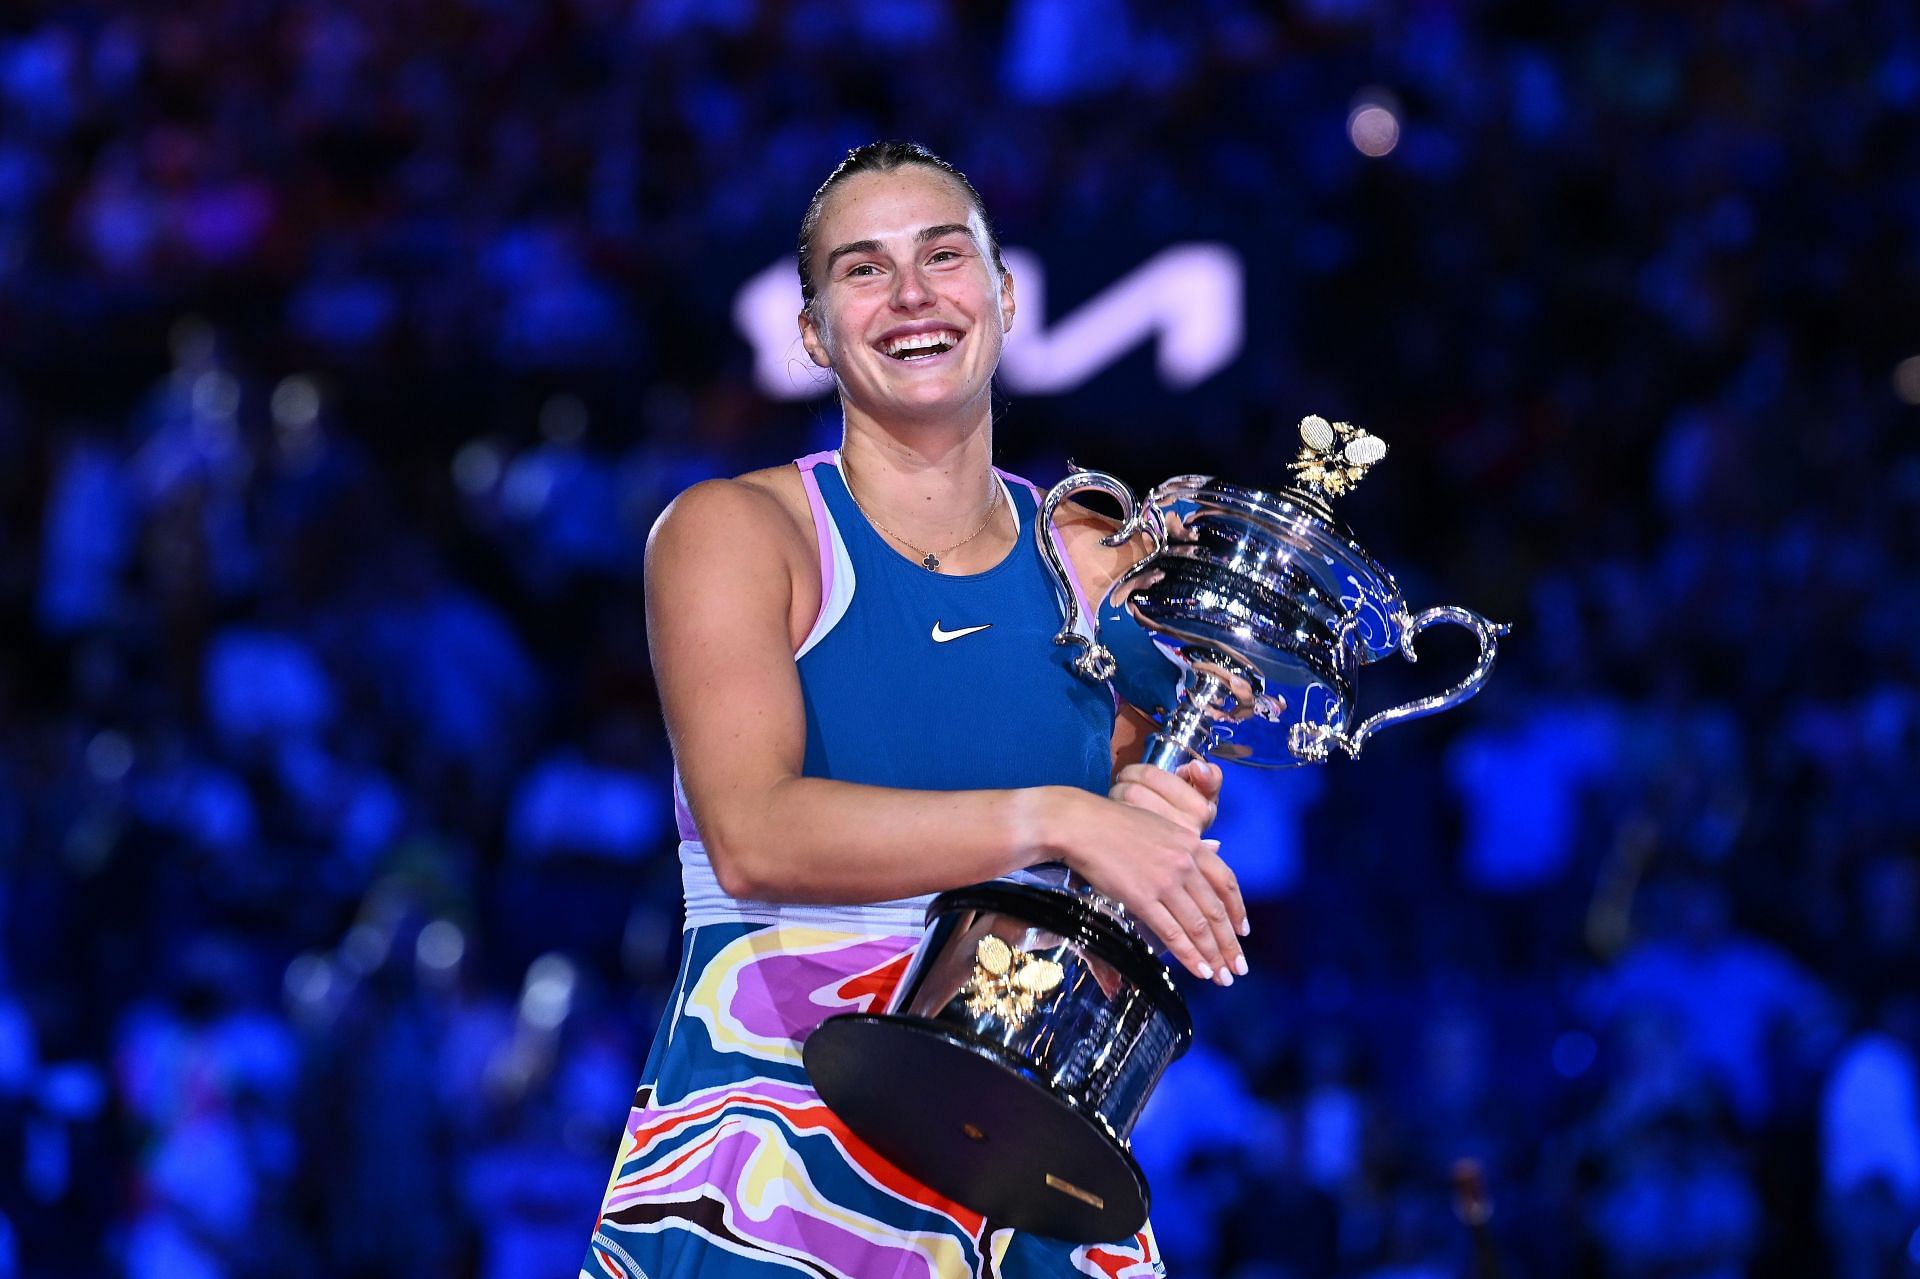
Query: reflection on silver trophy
(1265,605)
(1036,1018)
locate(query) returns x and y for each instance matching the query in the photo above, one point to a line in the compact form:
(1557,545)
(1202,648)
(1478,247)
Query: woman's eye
(942,255)
(864,268)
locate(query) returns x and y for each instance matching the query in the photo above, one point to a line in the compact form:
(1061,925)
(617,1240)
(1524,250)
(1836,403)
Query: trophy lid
(1333,458)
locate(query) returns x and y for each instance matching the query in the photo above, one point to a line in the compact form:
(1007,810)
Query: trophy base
(1013,1059)
(974,1124)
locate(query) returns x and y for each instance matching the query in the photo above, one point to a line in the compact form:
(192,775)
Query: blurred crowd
(348,349)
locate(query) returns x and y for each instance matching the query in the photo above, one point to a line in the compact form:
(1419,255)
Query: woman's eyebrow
(857,246)
(921,236)
(945,228)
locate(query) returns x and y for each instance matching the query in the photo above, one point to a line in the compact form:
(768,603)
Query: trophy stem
(1190,727)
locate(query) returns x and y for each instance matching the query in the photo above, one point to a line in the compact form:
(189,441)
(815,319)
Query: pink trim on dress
(682,815)
(822,527)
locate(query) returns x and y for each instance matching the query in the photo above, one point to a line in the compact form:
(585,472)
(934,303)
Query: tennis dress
(731,1167)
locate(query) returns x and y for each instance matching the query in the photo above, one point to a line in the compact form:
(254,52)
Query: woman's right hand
(1169,878)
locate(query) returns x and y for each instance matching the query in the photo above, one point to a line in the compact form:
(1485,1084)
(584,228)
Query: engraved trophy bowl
(1036,1017)
(1013,1060)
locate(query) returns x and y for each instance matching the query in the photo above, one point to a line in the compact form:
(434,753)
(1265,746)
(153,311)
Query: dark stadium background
(348,349)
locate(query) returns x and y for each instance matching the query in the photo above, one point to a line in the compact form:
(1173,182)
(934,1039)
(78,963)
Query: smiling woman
(912,276)
(856,665)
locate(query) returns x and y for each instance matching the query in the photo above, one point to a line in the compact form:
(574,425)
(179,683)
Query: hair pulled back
(882,157)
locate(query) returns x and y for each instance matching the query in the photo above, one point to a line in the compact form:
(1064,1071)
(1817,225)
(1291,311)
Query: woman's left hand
(1188,797)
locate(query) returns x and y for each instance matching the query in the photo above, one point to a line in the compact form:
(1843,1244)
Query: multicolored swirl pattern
(732,1168)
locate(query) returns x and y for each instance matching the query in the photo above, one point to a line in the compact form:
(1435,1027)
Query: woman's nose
(910,290)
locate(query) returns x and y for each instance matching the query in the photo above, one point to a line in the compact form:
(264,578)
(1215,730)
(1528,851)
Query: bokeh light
(216,394)
(440,945)
(1906,379)
(365,948)
(547,996)
(528,485)
(109,756)
(477,467)
(1373,123)
(295,402)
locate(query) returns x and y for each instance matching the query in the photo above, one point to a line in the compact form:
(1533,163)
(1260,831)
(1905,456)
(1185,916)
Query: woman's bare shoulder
(744,541)
(768,505)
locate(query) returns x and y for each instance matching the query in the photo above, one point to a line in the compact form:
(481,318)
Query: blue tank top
(923,681)
(942,681)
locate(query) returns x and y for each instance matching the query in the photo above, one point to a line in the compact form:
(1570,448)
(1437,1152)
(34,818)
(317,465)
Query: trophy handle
(1096,662)
(1312,743)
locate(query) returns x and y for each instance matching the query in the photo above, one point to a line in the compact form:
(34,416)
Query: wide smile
(930,347)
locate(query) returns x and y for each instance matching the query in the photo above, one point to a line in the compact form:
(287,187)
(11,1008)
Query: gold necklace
(928,559)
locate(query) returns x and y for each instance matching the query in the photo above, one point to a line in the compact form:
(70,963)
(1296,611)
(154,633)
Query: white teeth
(921,341)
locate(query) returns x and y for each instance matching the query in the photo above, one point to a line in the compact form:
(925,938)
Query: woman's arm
(721,567)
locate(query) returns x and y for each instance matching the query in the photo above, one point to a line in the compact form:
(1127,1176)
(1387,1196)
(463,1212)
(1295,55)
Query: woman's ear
(813,339)
(1007,307)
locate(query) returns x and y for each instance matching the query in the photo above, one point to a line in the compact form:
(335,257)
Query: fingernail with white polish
(1206,971)
(1243,928)
(1211,845)
(1240,965)
(1226,978)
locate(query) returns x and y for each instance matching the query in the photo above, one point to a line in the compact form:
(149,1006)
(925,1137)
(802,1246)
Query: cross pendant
(932,561)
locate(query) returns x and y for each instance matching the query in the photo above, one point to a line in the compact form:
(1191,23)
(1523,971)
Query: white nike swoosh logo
(942,636)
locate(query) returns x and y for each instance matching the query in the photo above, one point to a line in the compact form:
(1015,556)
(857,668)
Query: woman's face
(908,310)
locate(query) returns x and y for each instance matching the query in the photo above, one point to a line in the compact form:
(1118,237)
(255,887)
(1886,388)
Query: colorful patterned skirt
(733,1168)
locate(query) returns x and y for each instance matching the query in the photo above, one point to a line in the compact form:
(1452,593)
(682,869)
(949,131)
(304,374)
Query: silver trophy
(1261,608)
(1036,1018)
